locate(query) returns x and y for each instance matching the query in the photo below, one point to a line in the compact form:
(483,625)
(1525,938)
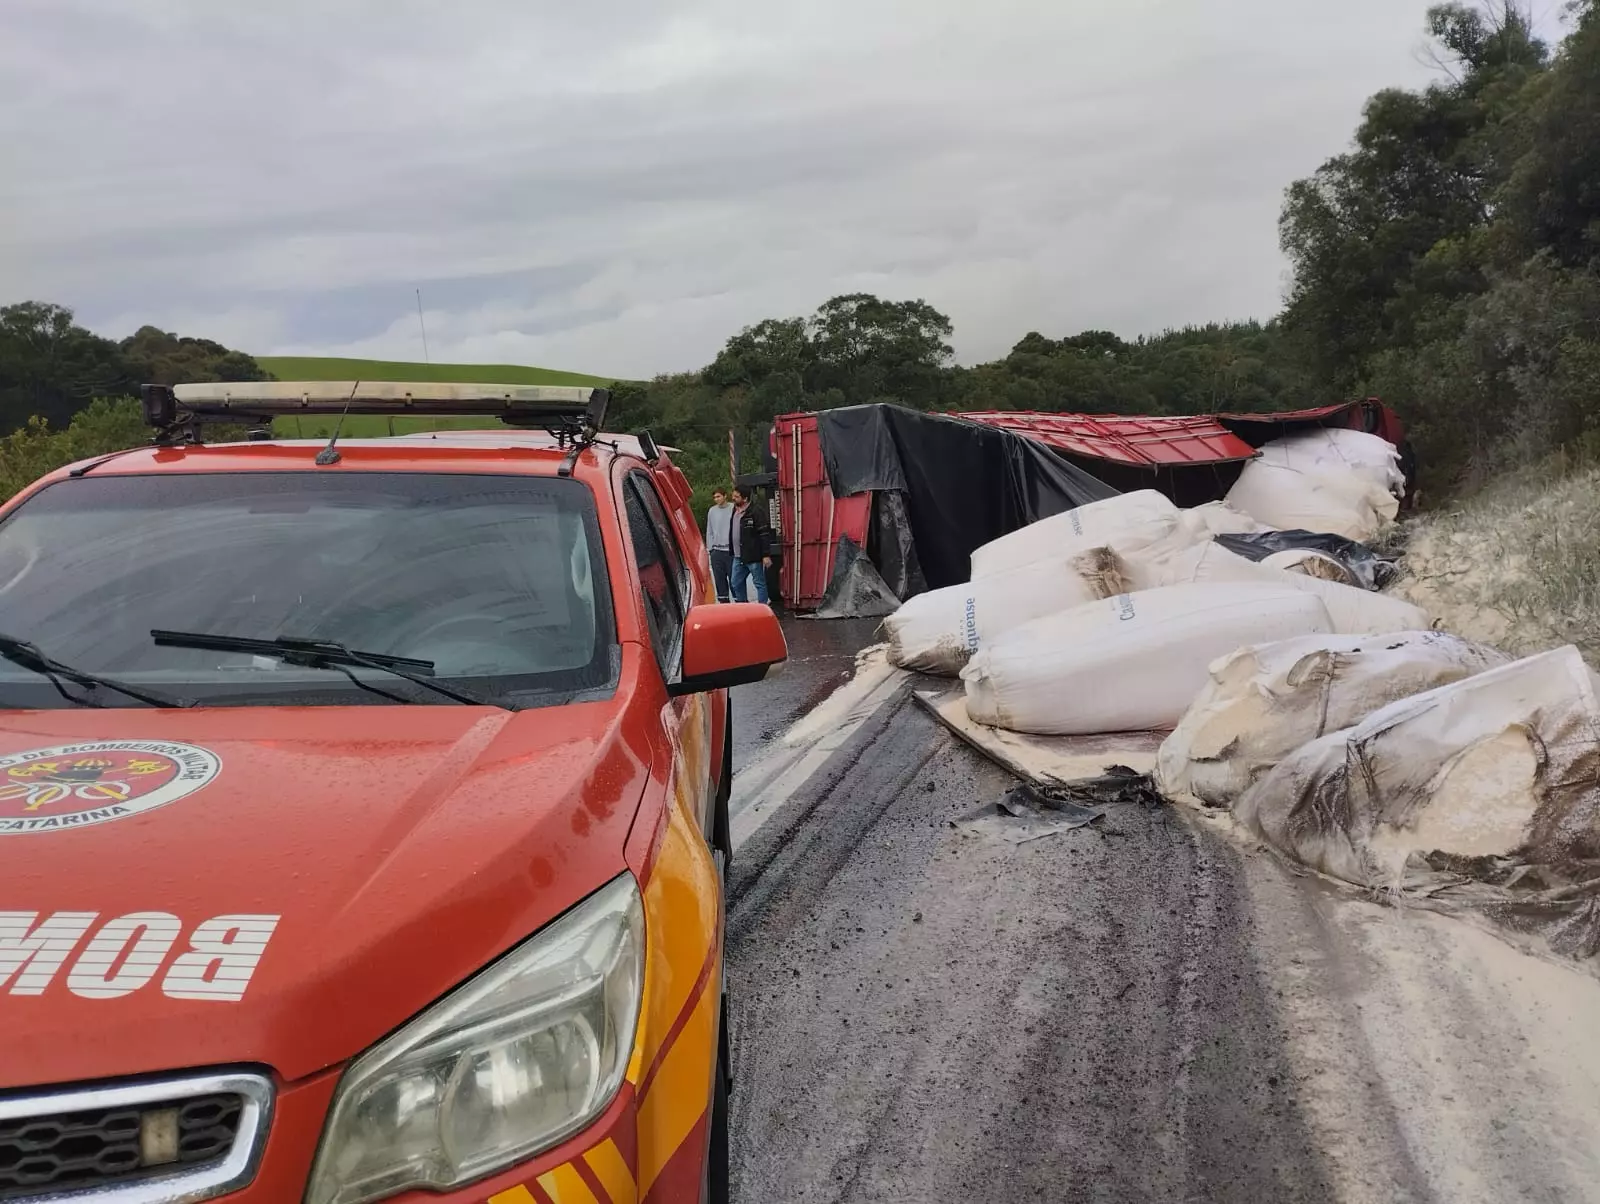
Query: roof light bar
(578,411)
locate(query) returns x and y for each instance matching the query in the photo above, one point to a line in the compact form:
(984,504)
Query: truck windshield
(498,581)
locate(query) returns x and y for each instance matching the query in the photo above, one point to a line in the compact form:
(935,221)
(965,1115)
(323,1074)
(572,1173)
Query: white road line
(761,788)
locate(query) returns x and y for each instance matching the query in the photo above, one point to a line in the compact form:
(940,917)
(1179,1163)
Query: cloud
(617,187)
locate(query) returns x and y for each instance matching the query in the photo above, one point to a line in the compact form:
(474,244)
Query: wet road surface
(925,1014)
(822,657)
(1142,1010)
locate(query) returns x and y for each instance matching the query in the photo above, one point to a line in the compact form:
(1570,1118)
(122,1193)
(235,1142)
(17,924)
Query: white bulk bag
(937,631)
(1499,773)
(1133,519)
(1219,518)
(927,633)
(1265,701)
(1353,611)
(1340,452)
(1286,499)
(1129,663)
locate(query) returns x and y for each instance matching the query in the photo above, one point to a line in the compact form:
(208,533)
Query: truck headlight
(516,1061)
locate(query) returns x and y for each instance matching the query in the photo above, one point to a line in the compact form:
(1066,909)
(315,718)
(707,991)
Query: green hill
(297,367)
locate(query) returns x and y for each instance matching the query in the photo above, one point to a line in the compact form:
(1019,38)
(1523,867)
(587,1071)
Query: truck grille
(146,1142)
(77,1150)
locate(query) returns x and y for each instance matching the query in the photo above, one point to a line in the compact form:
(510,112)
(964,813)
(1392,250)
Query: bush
(101,427)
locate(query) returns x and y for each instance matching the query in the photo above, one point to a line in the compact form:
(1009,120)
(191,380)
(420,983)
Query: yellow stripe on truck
(681,1091)
(611,1168)
(513,1195)
(565,1186)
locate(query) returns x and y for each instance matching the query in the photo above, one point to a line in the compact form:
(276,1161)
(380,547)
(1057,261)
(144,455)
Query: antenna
(330,454)
(424,325)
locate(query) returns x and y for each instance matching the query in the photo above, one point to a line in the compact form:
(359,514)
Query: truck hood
(282,886)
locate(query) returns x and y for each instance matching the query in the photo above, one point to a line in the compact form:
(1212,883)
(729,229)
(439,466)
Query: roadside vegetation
(32,450)
(1516,565)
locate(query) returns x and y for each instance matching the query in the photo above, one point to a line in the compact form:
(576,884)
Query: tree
(1097,343)
(870,348)
(1553,195)
(776,346)
(1424,171)
(157,357)
(771,362)
(51,367)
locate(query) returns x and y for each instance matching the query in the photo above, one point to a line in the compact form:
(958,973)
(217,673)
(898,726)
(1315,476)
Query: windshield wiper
(326,654)
(29,656)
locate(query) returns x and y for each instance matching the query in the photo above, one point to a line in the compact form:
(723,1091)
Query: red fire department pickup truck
(363,809)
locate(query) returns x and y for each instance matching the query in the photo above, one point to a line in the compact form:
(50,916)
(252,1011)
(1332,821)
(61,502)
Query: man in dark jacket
(750,559)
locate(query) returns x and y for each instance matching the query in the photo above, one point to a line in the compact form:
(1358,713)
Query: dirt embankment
(1517,567)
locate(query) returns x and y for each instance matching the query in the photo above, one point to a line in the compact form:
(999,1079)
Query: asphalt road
(1141,1010)
(822,657)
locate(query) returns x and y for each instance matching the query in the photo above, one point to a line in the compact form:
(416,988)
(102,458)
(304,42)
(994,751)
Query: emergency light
(564,410)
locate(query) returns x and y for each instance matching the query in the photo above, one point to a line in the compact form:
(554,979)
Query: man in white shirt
(719,541)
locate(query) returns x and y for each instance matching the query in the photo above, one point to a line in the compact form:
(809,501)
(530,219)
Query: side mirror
(728,644)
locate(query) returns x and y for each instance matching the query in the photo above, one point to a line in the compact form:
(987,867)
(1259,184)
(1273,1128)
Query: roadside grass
(297,367)
(373,426)
(1517,566)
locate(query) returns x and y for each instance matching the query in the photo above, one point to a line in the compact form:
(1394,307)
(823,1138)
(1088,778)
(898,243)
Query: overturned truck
(875,504)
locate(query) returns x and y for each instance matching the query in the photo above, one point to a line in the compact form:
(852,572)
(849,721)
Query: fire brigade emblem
(80,785)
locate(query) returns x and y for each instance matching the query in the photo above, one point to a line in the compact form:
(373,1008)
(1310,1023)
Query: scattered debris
(1030,811)
(1017,822)
(1025,799)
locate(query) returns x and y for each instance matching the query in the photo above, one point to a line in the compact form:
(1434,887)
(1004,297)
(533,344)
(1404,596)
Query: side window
(660,569)
(669,540)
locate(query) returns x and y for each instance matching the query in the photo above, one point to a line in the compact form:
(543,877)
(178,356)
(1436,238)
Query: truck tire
(717,1153)
(721,827)
(715,1181)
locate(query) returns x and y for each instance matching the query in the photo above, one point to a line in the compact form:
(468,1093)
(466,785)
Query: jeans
(721,572)
(742,573)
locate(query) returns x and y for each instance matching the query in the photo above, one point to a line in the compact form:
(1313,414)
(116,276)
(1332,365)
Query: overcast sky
(619,185)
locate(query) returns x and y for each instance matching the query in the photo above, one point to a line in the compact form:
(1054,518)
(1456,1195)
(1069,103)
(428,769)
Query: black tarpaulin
(891,547)
(1366,567)
(959,485)
(858,590)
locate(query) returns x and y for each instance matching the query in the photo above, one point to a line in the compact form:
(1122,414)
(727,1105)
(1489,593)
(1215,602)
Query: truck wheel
(721,828)
(716,1190)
